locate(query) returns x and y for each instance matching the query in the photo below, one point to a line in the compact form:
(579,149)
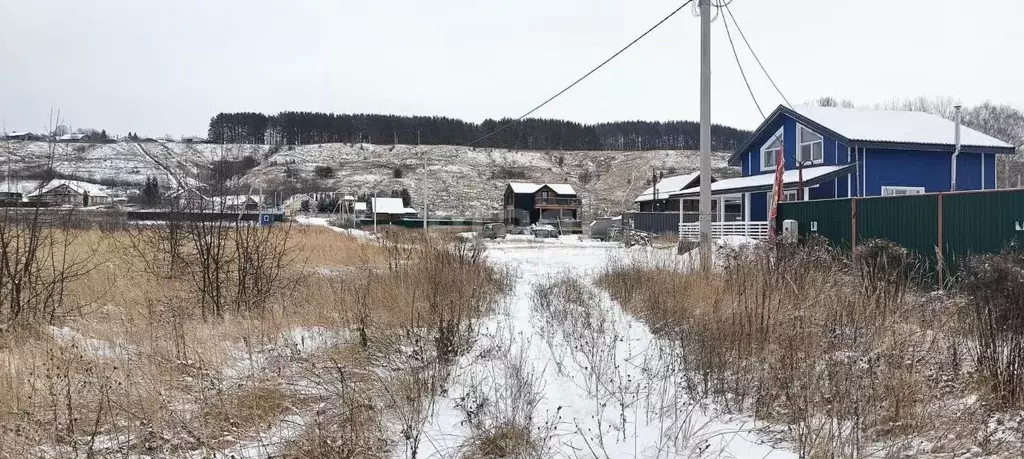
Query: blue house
(842,152)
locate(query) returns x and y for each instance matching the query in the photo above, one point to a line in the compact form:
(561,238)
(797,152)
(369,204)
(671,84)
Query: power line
(744,37)
(740,65)
(595,69)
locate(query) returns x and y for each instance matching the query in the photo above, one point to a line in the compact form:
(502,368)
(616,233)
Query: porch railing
(753,230)
(562,202)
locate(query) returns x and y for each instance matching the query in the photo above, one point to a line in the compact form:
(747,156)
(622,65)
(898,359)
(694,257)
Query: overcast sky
(166,67)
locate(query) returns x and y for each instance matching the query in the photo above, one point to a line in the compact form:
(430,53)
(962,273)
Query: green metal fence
(947,225)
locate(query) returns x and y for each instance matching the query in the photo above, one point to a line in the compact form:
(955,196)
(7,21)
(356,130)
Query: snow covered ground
(602,392)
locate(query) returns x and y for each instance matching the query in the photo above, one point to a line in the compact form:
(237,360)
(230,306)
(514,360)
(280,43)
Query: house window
(769,150)
(811,146)
(901,190)
(790,195)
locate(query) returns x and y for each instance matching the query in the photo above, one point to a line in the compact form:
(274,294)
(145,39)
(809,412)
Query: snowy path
(526,368)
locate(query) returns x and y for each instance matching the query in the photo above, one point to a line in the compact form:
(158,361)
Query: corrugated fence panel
(653,222)
(972,222)
(828,218)
(910,221)
(976,223)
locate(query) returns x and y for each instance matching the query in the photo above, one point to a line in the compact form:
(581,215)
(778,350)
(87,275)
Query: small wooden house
(529,203)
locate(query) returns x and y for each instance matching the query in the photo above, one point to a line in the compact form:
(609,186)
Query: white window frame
(800,143)
(902,190)
(764,149)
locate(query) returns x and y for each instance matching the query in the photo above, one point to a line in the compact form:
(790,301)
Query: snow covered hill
(459,180)
(468,181)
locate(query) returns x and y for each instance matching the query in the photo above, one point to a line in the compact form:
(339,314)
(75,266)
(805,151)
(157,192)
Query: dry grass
(130,366)
(847,354)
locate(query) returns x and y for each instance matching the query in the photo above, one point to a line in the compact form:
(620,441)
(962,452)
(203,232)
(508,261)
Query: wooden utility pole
(705,133)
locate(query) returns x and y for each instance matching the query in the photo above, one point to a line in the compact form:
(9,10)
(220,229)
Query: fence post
(938,250)
(853,224)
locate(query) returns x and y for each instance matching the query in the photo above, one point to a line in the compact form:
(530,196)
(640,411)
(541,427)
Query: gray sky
(166,67)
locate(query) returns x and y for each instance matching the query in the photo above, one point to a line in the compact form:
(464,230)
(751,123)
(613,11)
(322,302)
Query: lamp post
(800,179)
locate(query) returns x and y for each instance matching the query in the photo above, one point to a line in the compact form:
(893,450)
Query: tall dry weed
(839,349)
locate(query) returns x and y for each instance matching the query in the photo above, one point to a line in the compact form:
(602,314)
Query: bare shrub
(995,286)
(37,264)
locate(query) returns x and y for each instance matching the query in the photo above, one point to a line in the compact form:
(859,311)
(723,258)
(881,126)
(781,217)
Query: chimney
(956,149)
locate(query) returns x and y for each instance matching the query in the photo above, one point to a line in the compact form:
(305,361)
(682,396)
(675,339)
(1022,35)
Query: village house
(237,203)
(16,136)
(71,193)
(189,199)
(389,209)
(834,152)
(529,203)
(657,198)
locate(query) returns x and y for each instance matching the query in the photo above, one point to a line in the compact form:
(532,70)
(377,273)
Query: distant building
(237,203)
(293,206)
(16,136)
(71,193)
(388,209)
(192,139)
(73,137)
(656,198)
(529,203)
(188,199)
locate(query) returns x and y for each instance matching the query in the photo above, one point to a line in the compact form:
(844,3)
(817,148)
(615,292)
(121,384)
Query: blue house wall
(876,167)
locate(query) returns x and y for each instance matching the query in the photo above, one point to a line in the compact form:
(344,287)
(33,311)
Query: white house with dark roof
(834,152)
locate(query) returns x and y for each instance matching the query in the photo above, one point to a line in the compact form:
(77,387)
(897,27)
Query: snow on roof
(410,210)
(14,134)
(71,137)
(391,206)
(74,185)
(561,188)
(527,188)
(739,184)
(524,187)
(667,185)
(237,200)
(895,126)
(359,206)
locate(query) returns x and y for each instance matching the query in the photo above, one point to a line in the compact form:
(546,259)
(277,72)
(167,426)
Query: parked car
(544,231)
(493,231)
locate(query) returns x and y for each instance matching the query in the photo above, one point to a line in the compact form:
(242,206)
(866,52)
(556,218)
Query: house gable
(834,149)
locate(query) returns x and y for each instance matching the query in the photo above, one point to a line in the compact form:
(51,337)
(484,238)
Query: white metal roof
(391,206)
(561,188)
(525,187)
(78,187)
(791,177)
(359,206)
(667,185)
(895,126)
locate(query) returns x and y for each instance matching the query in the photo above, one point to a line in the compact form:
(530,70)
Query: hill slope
(466,181)
(460,180)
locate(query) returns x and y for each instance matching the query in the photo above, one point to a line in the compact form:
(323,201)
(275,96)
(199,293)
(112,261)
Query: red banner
(777,191)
